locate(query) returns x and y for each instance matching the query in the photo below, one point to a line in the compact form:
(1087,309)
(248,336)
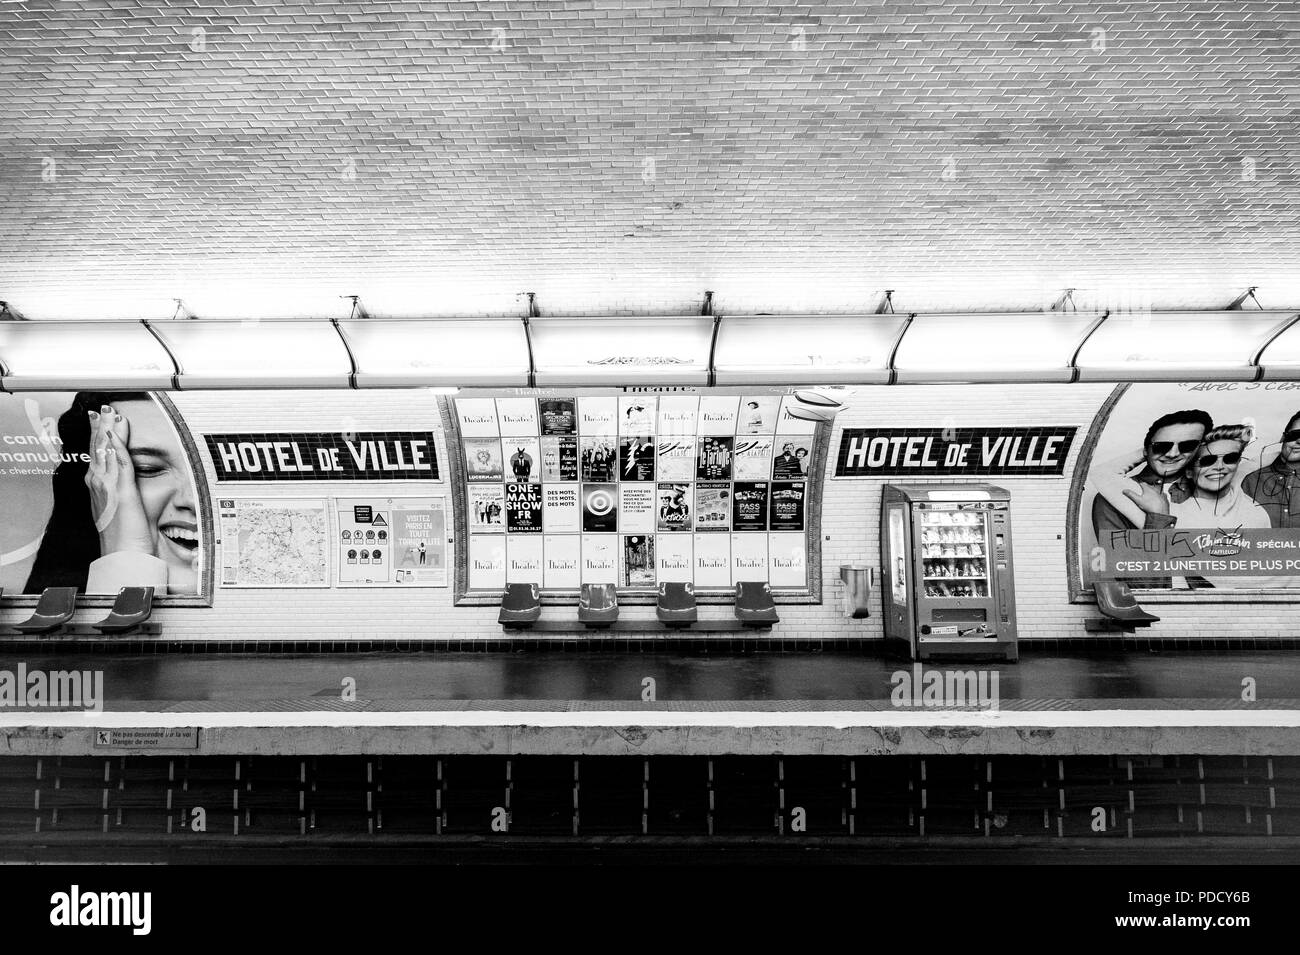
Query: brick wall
(850,524)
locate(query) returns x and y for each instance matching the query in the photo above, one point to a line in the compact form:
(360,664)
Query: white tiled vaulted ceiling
(622,157)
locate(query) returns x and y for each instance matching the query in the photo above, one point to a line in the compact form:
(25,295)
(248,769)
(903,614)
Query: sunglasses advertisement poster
(1193,487)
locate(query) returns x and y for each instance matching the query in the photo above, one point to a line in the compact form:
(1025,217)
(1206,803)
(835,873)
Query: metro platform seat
(521,605)
(133,606)
(598,605)
(676,605)
(54,609)
(754,604)
(1121,609)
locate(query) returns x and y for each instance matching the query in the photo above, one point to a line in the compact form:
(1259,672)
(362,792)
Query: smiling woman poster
(97,492)
(1218,460)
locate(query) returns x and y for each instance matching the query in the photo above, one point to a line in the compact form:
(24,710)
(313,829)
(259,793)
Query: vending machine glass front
(954,551)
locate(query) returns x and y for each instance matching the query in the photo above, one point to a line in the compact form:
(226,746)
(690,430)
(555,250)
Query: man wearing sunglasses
(1122,505)
(1276,486)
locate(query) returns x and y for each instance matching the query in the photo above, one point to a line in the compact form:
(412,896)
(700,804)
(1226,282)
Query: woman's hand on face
(1150,498)
(115,501)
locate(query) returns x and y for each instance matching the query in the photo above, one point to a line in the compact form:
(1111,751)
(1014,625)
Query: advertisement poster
(752,458)
(786,423)
(749,506)
(483,461)
(636,508)
(638,561)
(598,416)
(636,458)
(673,562)
(487,508)
(748,557)
(558,415)
(718,414)
(391,542)
(487,562)
(792,460)
(477,417)
(787,505)
(517,416)
(676,459)
(713,506)
(787,560)
(677,415)
(758,414)
(600,558)
(274,543)
(712,561)
(524,508)
(559,459)
(562,562)
(523,459)
(713,459)
(674,507)
(599,507)
(636,414)
(561,509)
(48,517)
(524,559)
(1195,487)
(599,460)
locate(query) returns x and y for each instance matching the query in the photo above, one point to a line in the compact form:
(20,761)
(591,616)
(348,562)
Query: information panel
(274,543)
(391,542)
(634,490)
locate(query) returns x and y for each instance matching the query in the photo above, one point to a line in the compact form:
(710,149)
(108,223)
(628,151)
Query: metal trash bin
(858,580)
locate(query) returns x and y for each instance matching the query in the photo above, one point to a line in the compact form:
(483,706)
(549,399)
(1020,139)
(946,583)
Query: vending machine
(947,576)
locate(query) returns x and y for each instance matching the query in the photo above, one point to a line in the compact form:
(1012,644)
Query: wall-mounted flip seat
(132,607)
(598,605)
(53,610)
(676,604)
(1116,601)
(754,604)
(520,606)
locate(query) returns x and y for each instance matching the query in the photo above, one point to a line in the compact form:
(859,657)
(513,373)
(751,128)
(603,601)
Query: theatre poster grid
(635,490)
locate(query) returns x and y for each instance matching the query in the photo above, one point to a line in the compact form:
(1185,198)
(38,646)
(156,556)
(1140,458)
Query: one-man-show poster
(1195,487)
(523,508)
(78,471)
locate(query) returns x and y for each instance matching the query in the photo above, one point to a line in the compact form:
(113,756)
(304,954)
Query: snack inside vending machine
(947,575)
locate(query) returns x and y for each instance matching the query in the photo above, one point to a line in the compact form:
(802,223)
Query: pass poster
(752,458)
(483,461)
(713,506)
(391,542)
(749,506)
(599,508)
(638,561)
(787,511)
(676,459)
(523,508)
(559,458)
(674,507)
(558,415)
(713,458)
(636,458)
(487,508)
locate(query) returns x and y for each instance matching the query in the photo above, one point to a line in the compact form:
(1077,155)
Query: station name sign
(881,452)
(301,456)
